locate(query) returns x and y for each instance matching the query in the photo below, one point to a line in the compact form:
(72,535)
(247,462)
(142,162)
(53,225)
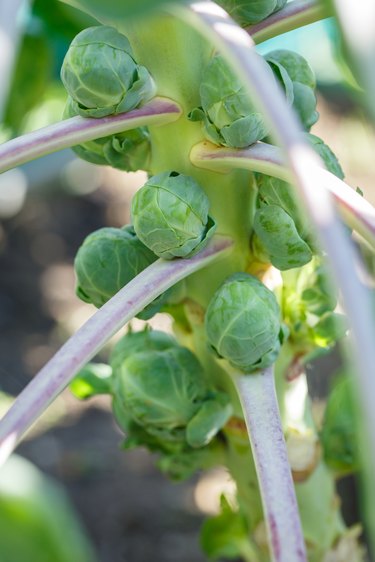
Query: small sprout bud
(135,342)
(162,390)
(243,323)
(170,215)
(161,387)
(303,83)
(128,151)
(247,12)
(229,118)
(107,260)
(278,234)
(101,75)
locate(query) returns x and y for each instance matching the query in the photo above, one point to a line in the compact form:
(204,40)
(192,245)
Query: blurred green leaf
(115,9)
(36,519)
(338,435)
(32,74)
(94,378)
(61,19)
(225,535)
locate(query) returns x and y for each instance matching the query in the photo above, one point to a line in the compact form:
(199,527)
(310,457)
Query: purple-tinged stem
(91,337)
(259,403)
(265,158)
(76,130)
(294,15)
(237,47)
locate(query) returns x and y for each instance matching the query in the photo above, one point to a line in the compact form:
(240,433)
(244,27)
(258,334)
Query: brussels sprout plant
(243,233)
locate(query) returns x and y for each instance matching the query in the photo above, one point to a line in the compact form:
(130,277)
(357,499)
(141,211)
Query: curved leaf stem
(294,15)
(91,337)
(76,130)
(238,49)
(265,158)
(259,403)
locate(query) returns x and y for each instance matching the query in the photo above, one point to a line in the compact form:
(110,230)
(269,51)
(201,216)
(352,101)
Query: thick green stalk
(176,54)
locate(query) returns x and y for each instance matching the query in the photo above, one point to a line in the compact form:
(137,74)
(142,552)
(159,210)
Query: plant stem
(90,338)
(259,403)
(237,48)
(294,15)
(265,158)
(79,129)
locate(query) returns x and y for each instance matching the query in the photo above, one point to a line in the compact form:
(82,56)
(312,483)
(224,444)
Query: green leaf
(94,378)
(278,233)
(226,534)
(32,74)
(338,434)
(113,9)
(37,521)
(211,417)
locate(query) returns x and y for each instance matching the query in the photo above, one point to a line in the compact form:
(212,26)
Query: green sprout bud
(163,390)
(243,323)
(338,435)
(303,81)
(107,260)
(278,234)
(135,342)
(180,407)
(247,12)
(283,232)
(170,215)
(229,118)
(128,151)
(101,75)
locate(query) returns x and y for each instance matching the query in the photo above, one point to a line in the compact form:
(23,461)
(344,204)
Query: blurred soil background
(130,511)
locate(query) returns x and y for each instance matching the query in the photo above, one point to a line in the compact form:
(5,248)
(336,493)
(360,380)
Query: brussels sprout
(129,151)
(243,323)
(246,12)
(107,260)
(170,215)
(163,390)
(155,372)
(277,231)
(338,435)
(229,118)
(135,342)
(101,75)
(283,233)
(302,77)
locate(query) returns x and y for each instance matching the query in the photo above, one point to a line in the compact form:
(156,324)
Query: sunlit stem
(294,15)
(259,403)
(265,158)
(91,337)
(76,130)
